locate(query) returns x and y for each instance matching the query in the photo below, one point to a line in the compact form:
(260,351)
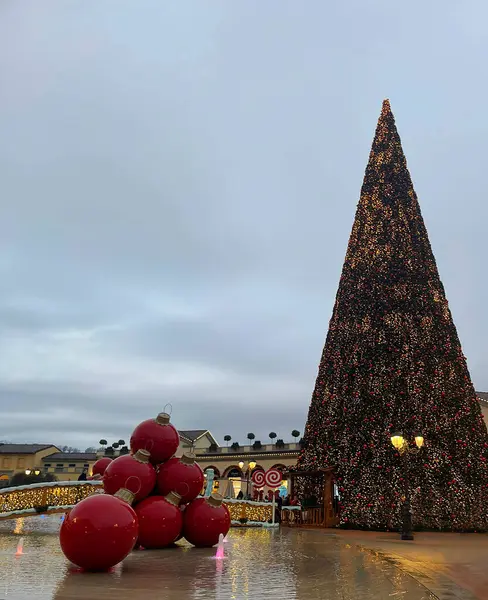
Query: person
(82,477)
(279,506)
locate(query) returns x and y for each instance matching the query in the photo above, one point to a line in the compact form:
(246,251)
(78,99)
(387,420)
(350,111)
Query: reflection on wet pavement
(259,563)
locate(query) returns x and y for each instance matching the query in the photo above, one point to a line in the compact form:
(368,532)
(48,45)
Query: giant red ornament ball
(204,520)
(158,436)
(182,475)
(100,531)
(160,521)
(100,466)
(132,472)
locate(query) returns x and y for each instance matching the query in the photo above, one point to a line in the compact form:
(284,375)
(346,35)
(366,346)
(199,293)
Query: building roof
(192,435)
(483,396)
(71,456)
(24,448)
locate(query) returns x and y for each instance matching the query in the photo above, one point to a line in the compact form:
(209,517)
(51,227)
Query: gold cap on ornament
(142,456)
(173,498)
(162,419)
(125,495)
(215,500)
(188,458)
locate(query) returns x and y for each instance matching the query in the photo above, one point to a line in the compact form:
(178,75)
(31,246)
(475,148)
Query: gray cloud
(178,183)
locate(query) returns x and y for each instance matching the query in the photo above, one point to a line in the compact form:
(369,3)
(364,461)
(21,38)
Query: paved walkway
(450,565)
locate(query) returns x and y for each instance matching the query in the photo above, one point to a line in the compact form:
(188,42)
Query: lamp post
(35,472)
(404,448)
(251,465)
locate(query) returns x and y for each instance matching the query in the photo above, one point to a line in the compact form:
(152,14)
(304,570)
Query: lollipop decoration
(258,478)
(273,478)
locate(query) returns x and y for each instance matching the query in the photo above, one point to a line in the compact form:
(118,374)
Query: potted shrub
(280,443)
(257,445)
(213,447)
(235,446)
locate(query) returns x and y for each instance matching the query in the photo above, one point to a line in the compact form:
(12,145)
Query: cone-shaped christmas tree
(392,361)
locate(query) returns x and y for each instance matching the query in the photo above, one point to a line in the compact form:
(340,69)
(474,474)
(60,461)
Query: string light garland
(53,497)
(40,496)
(393,361)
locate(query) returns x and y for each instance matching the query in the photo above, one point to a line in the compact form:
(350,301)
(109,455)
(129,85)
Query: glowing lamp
(28,471)
(252,465)
(398,441)
(37,472)
(241,464)
(419,440)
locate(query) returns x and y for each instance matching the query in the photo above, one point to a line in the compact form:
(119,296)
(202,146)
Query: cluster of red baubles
(150,501)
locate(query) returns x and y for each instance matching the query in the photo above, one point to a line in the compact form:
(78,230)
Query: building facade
(21,458)
(228,463)
(68,466)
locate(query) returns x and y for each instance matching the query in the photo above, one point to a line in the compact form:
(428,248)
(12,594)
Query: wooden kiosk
(322,510)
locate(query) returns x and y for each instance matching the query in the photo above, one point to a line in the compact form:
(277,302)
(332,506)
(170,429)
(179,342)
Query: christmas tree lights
(392,362)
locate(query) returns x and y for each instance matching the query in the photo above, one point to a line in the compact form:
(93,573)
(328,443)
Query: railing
(298,516)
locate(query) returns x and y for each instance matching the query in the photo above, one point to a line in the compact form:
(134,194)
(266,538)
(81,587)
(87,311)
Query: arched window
(233,471)
(216,471)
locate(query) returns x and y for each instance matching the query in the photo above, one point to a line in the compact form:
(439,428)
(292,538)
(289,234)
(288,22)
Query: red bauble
(204,520)
(100,466)
(160,521)
(100,531)
(157,436)
(132,472)
(182,475)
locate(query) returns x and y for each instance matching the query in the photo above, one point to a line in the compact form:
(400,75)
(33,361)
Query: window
(59,468)
(72,466)
(20,463)
(86,465)
(46,467)
(6,462)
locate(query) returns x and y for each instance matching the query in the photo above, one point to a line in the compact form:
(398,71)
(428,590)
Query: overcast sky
(178,182)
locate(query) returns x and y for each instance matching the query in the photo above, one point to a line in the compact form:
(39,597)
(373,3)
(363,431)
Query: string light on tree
(392,359)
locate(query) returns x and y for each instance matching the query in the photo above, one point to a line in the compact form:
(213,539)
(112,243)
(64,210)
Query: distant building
(483,400)
(19,458)
(68,466)
(195,440)
(228,463)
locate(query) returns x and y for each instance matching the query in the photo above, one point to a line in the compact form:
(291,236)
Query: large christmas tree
(392,361)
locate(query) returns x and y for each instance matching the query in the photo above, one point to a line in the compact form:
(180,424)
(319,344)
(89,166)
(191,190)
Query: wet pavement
(451,565)
(259,563)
